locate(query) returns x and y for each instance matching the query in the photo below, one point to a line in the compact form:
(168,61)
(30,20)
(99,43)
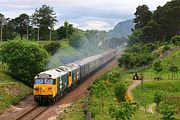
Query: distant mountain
(122,29)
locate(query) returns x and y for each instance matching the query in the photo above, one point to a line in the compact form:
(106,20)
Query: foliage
(166,47)
(157,67)
(52,47)
(151,31)
(44,18)
(120,92)
(158,98)
(76,39)
(168,112)
(148,90)
(173,69)
(64,32)
(160,25)
(9,30)
(143,15)
(137,56)
(21,24)
(135,37)
(175,40)
(123,112)
(97,88)
(24,59)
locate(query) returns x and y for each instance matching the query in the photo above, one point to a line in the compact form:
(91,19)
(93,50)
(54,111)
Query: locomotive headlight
(43,88)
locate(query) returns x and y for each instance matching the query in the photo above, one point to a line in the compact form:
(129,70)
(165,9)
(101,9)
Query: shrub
(52,47)
(120,92)
(24,59)
(175,40)
(168,112)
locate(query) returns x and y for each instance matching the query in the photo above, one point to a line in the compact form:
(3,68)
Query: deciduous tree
(24,59)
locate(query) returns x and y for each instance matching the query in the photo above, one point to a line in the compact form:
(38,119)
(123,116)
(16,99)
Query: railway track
(32,113)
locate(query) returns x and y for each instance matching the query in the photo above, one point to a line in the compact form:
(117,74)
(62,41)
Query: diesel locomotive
(52,84)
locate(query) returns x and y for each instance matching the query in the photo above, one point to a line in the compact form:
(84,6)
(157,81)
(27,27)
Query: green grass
(74,112)
(65,54)
(11,91)
(145,94)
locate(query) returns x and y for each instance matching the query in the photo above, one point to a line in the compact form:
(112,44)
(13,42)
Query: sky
(83,14)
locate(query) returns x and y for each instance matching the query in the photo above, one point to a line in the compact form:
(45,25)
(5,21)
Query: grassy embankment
(11,90)
(78,109)
(145,94)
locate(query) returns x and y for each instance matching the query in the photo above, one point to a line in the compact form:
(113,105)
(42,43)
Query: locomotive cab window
(45,81)
(39,81)
(48,81)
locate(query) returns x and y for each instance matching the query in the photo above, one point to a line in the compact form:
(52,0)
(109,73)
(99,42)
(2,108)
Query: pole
(27,30)
(38,34)
(1,33)
(66,33)
(50,35)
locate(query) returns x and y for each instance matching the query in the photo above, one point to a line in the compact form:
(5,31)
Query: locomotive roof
(53,73)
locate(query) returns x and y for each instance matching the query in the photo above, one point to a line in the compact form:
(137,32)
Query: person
(136,76)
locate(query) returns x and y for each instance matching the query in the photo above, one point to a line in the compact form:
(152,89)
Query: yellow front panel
(45,89)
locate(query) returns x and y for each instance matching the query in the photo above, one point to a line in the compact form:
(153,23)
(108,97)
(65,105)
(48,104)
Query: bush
(166,47)
(120,92)
(175,40)
(52,47)
(157,67)
(168,112)
(24,59)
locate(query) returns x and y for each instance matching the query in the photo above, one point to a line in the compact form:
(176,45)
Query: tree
(157,66)
(125,60)
(151,31)
(158,98)
(120,92)
(24,59)
(143,15)
(9,32)
(64,32)
(44,19)
(2,22)
(135,37)
(173,69)
(77,39)
(22,24)
(169,19)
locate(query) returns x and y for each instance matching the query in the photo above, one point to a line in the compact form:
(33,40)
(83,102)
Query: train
(53,84)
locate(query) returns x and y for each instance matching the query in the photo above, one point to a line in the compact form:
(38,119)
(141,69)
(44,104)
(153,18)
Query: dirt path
(132,86)
(150,108)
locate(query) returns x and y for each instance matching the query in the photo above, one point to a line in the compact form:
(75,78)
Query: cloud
(83,13)
(92,25)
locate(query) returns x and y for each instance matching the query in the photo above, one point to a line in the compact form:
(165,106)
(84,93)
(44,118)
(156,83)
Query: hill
(122,29)
(11,91)
(94,101)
